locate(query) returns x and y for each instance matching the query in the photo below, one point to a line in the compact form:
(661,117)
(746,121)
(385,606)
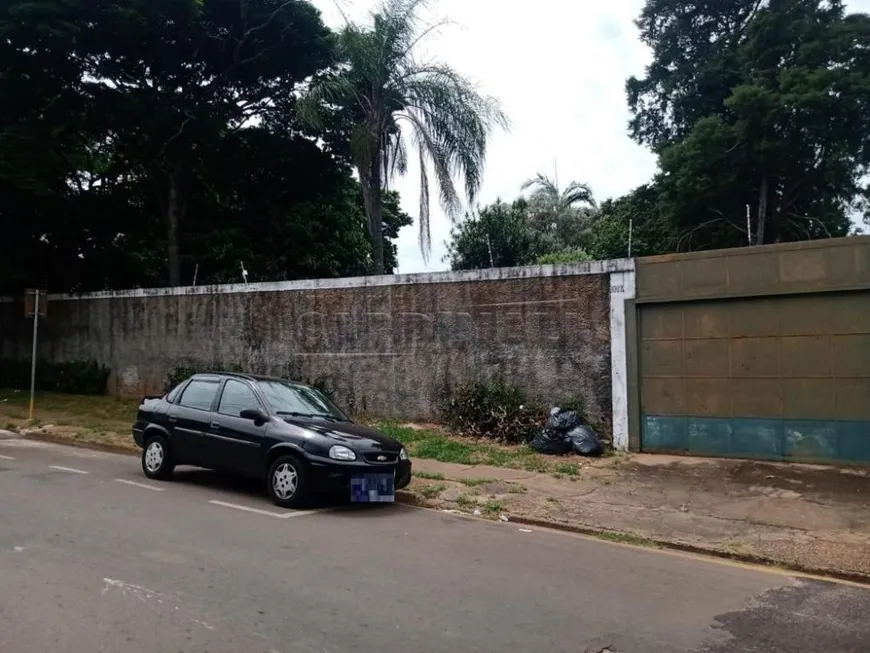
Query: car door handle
(173,419)
(215,425)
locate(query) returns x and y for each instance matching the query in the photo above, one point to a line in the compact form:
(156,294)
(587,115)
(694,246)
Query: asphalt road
(94,557)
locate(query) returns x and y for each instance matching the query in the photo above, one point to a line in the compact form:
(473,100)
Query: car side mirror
(255,415)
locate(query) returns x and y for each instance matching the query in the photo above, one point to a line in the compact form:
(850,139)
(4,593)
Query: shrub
(187,368)
(493,409)
(72,377)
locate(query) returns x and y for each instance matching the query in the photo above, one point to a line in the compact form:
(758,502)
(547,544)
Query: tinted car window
(237,396)
(199,394)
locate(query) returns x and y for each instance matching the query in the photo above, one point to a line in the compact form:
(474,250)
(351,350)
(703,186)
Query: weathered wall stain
(388,349)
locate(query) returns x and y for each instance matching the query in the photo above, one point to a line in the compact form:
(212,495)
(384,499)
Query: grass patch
(627,538)
(83,418)
(71,408)
(568,469)
(492,507)
(431,476)
(516,488)
(430,491)
(467,500)
(435,445)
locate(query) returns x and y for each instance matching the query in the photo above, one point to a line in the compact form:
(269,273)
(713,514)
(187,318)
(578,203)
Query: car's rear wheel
(286,482)
(157,458)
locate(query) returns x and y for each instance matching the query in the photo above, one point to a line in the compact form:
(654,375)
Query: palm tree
(394,98)
(547,193)
(564,217)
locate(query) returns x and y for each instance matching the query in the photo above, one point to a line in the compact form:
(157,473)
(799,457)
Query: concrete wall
(387,345)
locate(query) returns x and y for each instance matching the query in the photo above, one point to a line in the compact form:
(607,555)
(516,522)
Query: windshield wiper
(293,413)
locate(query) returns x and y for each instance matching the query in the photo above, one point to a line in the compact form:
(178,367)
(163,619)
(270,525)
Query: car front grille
(381,457)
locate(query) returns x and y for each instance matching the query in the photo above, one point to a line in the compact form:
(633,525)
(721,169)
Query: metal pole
(630,229)
(33,354)
(748,226)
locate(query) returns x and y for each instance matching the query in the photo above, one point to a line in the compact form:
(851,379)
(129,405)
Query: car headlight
(339,452)
(403,455)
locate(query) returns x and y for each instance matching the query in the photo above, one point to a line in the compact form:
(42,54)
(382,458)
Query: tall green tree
(393,96)
(92,120)
(632,225)
(494,236)
(182,73)
(759,110)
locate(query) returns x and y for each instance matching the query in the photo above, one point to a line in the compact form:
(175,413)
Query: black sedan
(289,433)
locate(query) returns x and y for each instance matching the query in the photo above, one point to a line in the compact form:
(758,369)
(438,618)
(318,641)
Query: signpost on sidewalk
(35,306)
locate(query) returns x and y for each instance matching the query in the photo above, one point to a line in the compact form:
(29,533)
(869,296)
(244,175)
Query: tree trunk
(762,212)
(373,200)
(173,214)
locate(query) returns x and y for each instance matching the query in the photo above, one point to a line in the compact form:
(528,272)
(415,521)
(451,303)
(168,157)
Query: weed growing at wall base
(493,409)
(72,377)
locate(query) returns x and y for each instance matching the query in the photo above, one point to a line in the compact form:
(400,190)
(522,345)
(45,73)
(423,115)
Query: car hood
(353,435)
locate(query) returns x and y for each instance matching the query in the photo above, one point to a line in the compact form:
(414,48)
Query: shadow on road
(255,489)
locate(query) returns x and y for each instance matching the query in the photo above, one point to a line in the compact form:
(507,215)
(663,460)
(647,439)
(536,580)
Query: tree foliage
(550,226)
(394,97)
(562,218)
(758,106)
(145,143)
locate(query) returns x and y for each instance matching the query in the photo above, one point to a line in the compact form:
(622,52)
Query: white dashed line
(6,458)
(144,486)
(70,470)
(267,513)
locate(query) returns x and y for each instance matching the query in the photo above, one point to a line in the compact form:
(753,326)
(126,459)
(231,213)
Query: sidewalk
(806,517)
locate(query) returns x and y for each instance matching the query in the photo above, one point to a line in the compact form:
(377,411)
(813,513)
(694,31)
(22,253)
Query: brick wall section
(387,348)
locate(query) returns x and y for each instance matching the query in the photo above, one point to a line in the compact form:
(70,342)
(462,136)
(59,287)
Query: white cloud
(559,69)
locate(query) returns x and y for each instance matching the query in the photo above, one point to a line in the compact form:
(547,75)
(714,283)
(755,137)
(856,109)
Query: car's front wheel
(286,482)
(157,458)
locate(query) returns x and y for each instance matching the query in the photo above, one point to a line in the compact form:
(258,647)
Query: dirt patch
(748,478)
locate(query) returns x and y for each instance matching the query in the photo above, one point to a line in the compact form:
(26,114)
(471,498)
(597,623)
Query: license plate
(373,488)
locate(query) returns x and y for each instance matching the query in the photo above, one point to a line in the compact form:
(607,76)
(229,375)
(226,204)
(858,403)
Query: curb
(850,576)
(670,545)
(94,446)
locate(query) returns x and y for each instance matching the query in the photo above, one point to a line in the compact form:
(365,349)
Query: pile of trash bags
(565,433)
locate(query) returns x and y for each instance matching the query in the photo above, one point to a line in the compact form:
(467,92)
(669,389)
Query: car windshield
(288,398)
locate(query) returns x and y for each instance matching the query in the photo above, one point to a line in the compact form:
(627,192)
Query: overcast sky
(559,70)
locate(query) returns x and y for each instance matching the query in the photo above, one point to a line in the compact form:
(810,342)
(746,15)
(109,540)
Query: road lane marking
(267,513)
(70,470)
(144,486)
(6,457)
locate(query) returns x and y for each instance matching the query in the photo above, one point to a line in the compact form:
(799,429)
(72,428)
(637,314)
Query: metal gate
(782,377)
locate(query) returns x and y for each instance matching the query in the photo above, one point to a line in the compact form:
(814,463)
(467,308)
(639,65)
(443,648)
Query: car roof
(248,377)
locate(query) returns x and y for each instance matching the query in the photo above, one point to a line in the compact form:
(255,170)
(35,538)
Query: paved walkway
(813,517)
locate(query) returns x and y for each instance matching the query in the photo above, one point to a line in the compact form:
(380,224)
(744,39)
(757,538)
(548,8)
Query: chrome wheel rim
(284,481)
(153,456)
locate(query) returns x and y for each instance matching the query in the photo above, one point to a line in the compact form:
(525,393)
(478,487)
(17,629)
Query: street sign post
(35,306)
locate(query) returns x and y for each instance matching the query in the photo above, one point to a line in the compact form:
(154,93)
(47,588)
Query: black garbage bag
(549,441)
(562,420)
(585,441)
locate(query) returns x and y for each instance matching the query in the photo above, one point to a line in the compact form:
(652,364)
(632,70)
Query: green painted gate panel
(846,442)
